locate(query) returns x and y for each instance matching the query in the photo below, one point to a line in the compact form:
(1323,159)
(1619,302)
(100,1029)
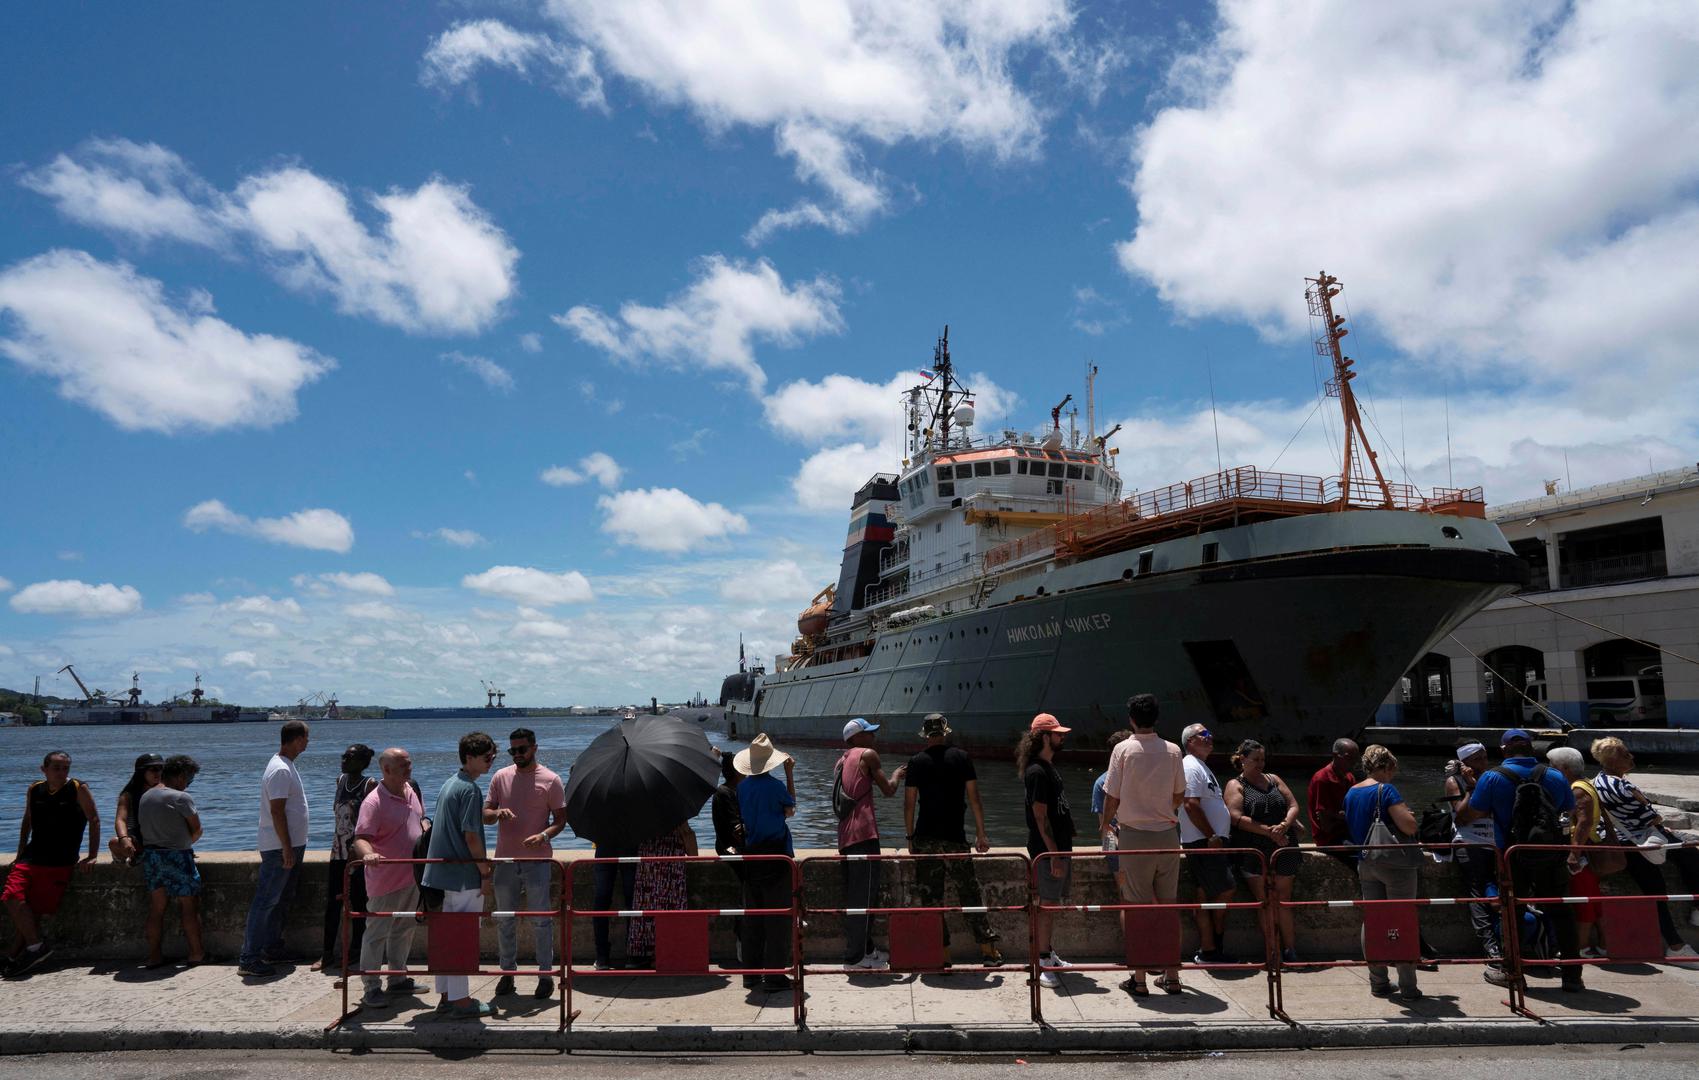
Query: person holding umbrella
(766,805)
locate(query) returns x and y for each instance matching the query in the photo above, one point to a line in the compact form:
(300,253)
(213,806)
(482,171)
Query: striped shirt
(1634,819)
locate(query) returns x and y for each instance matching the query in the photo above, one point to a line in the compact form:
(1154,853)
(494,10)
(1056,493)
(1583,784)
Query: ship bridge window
(1000,468)
(1058,469)
(1020,466)
(945,489)
(943,473)
(1074,472)
(982,468)
(1088,471)
(963,472)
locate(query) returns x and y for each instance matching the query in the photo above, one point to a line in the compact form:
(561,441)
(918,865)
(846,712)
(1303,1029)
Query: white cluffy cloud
(714,323)
(116,343)
(365,582)
(239,658)
(859,427)
(454,57)
(530,586)
(460,538)
(826,78)
(318,529)
(493,374)
(77,598)
(1507,184)
(287,608)
(597,466)
(5,585)
(666,520)
(436,263)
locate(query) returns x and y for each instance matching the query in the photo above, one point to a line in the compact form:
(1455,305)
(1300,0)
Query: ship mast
(1352,476)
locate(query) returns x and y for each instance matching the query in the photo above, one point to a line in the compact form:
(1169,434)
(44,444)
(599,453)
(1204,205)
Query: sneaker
(402,987)
(545,988)
(1496,975)
(1207,956)
(989,955)
(256,969)
(1050,979)
(477,1010)
(1681,952)
(29,959)
(1056,961)
(504,986)
(870,962)
(774,984)
(1411,994)
(1573,985)
(374,998)
(1693,917)
(884,957)
(1381,990)
(604,964)
(1289,956)
(1590,953)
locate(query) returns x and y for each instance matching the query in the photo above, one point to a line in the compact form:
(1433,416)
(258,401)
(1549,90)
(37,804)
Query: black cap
(148,761)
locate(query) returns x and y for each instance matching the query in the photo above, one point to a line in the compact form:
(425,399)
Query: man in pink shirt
(1142,793)
(388,827)
(527,805)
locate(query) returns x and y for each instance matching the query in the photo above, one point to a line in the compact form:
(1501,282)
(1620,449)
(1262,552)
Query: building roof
(1635,487)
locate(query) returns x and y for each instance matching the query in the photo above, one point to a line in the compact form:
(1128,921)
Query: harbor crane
(493,695)
(88,695)
(135,690)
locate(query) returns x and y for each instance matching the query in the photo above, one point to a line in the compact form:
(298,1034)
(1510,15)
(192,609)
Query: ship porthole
(1450,533)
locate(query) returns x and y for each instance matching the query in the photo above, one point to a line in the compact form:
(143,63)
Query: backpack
(842,805)
(1534,817)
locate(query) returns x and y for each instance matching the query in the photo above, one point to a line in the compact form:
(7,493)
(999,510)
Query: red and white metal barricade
(1392,927)
(1152,937)
(452,937)
(1629,921)
(681,934)
(915,933)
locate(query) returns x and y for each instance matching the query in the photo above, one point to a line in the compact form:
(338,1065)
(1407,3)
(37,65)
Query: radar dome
(964,414)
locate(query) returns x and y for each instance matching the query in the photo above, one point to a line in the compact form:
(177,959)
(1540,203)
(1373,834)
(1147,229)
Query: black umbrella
(639,779)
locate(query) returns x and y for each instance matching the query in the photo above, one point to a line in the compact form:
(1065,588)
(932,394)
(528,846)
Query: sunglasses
(519,751)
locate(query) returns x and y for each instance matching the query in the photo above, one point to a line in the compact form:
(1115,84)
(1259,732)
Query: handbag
(1406,856)
(1436,824)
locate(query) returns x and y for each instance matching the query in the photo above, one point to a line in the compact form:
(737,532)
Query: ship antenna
(941,363)
(1320,296)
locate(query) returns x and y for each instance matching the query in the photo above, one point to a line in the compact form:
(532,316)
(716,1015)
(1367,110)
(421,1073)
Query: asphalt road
(1606,1062)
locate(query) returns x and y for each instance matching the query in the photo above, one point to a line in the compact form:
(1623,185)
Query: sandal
(1171,985)
(1136,987)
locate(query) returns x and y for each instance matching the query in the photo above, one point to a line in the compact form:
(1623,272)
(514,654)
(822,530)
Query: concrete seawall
(103,913)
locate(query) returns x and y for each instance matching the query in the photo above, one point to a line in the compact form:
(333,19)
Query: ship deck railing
(1229,497)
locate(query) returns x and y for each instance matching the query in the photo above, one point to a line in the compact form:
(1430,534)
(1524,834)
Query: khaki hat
(934,726)
(760,758)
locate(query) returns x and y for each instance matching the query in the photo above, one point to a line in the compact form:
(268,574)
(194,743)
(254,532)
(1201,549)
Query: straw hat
(761,757)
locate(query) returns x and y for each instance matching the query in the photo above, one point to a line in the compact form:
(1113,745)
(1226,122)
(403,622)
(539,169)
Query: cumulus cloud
(363,582)
(528,585)
(318,529)
(666,520)
(116,343)
(1507,185)
(456,54)
(239,658)
(531,342)
(287,608)
(78,598)
(779,582)
(435,263)
(460,538)
(596,466)
(375,610)
(716,321)
(493,374)
(5,585)
(832,77)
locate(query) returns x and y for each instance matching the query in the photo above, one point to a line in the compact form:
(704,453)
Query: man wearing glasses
(56,810)
(527,805)
(458,836)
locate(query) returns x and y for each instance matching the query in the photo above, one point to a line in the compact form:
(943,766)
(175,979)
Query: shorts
(1283,862)
(1051,888)
(39,888)
(1212,872)
(172,870)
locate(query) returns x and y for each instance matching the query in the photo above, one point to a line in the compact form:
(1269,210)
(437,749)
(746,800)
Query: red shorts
(1585,883)
(41,888)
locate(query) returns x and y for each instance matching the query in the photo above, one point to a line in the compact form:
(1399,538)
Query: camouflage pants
(929,877)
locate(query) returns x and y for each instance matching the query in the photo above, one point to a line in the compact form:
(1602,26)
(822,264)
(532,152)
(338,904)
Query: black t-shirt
(940,775)
(1044,785)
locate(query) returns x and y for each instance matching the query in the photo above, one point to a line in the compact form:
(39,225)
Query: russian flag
(929,375)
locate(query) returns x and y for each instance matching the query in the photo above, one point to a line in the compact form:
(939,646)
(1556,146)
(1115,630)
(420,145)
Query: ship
(994,578)
(98,708)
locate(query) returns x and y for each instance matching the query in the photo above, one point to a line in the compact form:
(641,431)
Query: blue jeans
(273,893)
(536,878)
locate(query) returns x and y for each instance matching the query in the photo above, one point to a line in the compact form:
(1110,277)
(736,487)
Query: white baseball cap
(856,727)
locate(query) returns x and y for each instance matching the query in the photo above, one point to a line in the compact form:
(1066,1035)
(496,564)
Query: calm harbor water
(232,757)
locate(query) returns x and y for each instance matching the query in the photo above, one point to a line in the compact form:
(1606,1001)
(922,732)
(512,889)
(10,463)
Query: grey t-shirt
(165,813)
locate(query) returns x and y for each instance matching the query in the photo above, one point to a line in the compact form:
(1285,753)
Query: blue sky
(383,349)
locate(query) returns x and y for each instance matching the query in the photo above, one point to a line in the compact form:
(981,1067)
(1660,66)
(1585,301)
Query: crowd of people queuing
(1157,804)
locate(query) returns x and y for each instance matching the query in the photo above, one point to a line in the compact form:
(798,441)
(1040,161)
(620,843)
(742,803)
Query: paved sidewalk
(111,1007)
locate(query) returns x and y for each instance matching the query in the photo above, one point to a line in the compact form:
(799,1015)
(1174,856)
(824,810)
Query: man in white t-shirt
(282,844)
(1204,824)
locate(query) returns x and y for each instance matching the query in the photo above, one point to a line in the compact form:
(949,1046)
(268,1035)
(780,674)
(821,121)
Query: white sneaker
(1693,916)
(870,962)
(1056,961)
(1590,953)
(1684,952)
(1049,978)
(884,957)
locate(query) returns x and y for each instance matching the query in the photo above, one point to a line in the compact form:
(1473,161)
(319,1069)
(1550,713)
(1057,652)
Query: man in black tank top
(56,811)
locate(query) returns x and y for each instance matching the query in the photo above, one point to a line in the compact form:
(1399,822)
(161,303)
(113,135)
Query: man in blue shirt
(457,832)
(766,803)
(1495,796)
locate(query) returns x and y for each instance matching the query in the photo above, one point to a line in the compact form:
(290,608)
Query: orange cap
(1045,722)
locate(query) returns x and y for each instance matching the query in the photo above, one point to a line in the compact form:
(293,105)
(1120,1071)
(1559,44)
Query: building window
(1533,552)
(1630,551)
